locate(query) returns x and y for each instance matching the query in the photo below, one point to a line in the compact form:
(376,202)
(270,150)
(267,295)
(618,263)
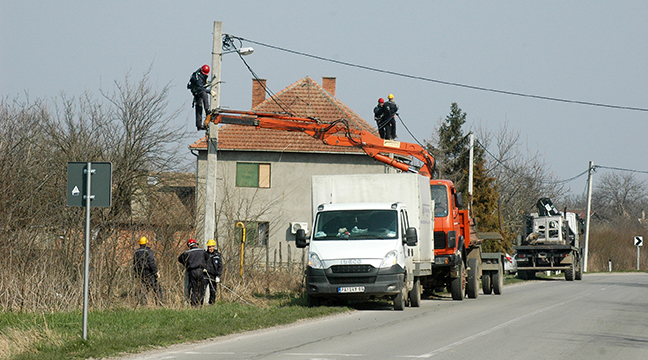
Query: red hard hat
(205,69)
(191,242)
(381,100)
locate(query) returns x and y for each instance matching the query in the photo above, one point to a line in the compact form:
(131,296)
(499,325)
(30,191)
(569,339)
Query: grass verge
(121,331)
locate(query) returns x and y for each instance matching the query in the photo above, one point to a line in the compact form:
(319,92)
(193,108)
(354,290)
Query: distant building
(264,175)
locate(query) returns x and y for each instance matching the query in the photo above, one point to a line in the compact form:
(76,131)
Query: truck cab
(359,251)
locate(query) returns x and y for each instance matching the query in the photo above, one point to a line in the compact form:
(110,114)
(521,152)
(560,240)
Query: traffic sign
(638,240)
(101,184)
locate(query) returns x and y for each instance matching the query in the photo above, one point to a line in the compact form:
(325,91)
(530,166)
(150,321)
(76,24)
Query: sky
(451,51)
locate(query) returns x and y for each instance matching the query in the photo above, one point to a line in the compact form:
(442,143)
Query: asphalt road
(604,316)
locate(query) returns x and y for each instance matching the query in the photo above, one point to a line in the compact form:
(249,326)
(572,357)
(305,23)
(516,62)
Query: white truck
(372,238)
(551,243)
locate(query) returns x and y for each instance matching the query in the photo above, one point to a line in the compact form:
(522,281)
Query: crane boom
(336,133)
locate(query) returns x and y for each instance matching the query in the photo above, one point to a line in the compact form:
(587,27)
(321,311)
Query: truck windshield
(356,225)
(440,197)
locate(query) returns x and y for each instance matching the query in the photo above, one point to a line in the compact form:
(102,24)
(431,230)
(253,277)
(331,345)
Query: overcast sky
(577,51)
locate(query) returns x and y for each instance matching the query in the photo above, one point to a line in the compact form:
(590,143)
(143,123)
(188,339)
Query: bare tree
(522,175)
(619,196)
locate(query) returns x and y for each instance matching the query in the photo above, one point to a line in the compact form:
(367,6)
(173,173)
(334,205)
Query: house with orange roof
(264,175)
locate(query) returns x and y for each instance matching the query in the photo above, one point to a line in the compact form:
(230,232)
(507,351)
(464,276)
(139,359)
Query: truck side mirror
(300,239)
(411,238)
(459,200)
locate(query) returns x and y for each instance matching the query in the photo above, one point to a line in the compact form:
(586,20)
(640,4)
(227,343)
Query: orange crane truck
(459,264)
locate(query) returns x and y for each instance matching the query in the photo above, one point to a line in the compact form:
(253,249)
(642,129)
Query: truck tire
(569,273)
(498,280)
(399,300)
(313,301)
(457,285)
(579,271)
(487,285)
(472,286)
(415,293)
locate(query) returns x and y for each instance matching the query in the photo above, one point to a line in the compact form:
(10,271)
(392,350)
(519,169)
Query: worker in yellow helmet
(390,109)
(214,269)
(146,270)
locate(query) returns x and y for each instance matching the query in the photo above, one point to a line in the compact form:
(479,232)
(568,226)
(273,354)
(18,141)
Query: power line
(449,83)
(620,169)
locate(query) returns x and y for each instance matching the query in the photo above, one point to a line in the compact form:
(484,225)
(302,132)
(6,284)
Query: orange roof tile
(304,98)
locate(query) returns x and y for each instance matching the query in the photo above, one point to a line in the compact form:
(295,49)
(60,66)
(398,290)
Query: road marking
(494,328)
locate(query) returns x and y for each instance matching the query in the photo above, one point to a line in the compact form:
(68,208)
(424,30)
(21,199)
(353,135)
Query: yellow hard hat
(391,96)
(142,240)
(211,242)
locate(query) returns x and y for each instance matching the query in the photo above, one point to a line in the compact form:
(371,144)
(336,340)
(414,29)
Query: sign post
(79,193)
(638,241)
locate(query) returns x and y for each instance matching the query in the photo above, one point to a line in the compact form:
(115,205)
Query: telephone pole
(209,227)
(589,210)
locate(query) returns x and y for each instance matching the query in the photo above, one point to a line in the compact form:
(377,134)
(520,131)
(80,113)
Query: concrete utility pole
(471,161)
(589,210)
(212,137)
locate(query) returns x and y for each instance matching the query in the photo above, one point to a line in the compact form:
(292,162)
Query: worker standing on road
(390,111)
(146,270)
(378,115)
(200,90)
(194,262)
(214,269)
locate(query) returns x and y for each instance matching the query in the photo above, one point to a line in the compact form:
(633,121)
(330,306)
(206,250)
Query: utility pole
(589,210)
(212,136)
(471,162)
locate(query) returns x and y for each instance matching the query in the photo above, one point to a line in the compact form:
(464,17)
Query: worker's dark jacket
(390,109)
(378,112)
(193,260)
(214,263)
(144,262)
(197,83)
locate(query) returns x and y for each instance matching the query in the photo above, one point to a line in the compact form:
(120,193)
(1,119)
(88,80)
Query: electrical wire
(449,83)
(620,169)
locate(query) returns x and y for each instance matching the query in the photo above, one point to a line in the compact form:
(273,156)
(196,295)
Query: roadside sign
(101,184)
(638,240)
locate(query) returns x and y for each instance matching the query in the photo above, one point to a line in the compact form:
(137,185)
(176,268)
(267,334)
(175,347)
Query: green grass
(113,332)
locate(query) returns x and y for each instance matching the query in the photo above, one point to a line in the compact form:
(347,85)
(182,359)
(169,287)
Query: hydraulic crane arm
(336,133)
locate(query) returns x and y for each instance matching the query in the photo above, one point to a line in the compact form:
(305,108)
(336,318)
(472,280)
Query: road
(604,316)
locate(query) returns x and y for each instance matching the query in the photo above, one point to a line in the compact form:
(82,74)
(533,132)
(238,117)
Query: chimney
(328,83)
(258,92)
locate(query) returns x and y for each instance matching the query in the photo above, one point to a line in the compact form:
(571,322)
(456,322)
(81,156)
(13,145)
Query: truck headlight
(314,261)
(389,260)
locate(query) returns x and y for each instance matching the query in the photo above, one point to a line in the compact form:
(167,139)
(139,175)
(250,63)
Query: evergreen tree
(454,146)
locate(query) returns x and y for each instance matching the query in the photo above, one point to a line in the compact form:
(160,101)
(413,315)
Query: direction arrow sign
(638,240)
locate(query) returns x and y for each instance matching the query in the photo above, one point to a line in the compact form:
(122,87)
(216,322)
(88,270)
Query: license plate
(351,289)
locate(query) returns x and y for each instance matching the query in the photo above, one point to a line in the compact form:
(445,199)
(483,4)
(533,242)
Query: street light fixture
(242,51)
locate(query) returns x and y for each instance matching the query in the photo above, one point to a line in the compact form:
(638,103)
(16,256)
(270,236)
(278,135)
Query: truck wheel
(457,285)
(415,293)
(472,286)
(579,271)
(487,285)
(313,301)
(569,273)
(399,300)
(498,280)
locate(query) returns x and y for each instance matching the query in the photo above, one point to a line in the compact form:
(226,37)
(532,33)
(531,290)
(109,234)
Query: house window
(256,232)
(253,175)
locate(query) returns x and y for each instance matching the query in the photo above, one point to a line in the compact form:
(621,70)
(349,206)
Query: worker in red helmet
(194,262)
(200,90)
(378,115)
